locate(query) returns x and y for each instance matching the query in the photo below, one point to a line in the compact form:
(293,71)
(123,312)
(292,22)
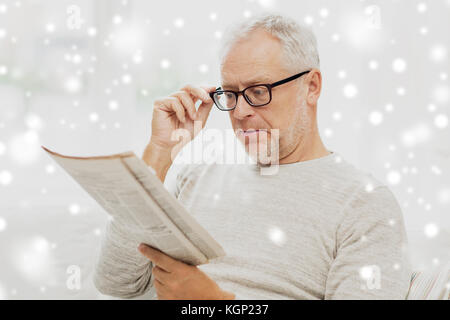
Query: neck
(308,148)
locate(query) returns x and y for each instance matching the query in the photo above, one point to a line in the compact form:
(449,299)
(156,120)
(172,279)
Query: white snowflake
(2,148)
(117,19)
(74,209)
(277,236)
(165,63)
(126,79)
(213,16)
(438,53)
(399,65)
(3,70)
(113,105)
(50,27)
(350,91)
(422,7)
(394,177)
(203,68)
(92,31)
(324,12)
(50,169)
(179,23)
(431,230)
(93,117)
(441,121)
(376,118)
(373,65)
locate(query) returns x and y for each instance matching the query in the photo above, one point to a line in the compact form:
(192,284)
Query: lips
(250,132)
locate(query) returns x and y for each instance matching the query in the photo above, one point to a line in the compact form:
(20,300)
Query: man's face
(258,60)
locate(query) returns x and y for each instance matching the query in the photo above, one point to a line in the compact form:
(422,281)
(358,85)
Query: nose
(243,109)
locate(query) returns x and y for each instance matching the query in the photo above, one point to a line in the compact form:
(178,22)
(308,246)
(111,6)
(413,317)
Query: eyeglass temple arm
(279,83)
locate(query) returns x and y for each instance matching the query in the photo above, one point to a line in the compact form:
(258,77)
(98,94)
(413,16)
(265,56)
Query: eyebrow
(263,80)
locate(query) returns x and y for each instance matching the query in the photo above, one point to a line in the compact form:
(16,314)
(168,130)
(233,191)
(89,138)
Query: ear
(314,86)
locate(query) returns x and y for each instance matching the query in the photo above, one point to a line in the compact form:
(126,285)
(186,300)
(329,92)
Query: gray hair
(298,41)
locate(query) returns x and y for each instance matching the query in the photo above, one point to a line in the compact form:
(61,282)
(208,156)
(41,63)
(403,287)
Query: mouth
(249,133)
(252,132)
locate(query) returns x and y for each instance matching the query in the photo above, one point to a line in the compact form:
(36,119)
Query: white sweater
(318,229)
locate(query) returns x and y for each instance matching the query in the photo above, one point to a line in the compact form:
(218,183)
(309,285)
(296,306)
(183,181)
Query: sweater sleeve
(371,259)
(121,270)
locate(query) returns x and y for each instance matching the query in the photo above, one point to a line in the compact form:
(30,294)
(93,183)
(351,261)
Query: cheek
(233,120)
(286,120)
(278,117)
(283,108)
(268,118)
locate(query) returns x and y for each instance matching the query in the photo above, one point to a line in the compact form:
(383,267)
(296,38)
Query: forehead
(253,59)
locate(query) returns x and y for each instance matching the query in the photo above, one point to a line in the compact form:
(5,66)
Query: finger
(161,289)
(198,92)
(157,257)
(203,112)
(205,108)
(160,274)
(178,108)
(162,104)
(187,102)
(158,284)
(208,89)
(170,105)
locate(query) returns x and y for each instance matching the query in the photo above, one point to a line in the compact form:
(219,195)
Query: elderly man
(317,229)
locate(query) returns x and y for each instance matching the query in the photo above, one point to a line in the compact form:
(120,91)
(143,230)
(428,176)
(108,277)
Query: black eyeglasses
(257,96)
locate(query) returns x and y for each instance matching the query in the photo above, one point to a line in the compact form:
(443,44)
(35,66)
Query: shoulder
(372,203)
(355,178)
(365,198)
(343,182)
(369,197)
(372,213)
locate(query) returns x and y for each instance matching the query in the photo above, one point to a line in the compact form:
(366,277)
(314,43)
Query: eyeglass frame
(268,86)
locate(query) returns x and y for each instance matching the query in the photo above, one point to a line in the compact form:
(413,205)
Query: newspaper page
(174,210)
(109,180)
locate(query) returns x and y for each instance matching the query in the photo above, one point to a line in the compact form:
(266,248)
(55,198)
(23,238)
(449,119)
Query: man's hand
(178,111)
(172,113)
(175,280)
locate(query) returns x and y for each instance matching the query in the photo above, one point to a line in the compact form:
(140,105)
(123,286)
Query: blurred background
(79,77)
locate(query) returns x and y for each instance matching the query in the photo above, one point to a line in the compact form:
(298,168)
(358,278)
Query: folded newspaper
(133,196)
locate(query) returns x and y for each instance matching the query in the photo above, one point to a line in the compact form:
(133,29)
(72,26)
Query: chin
(261,153)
